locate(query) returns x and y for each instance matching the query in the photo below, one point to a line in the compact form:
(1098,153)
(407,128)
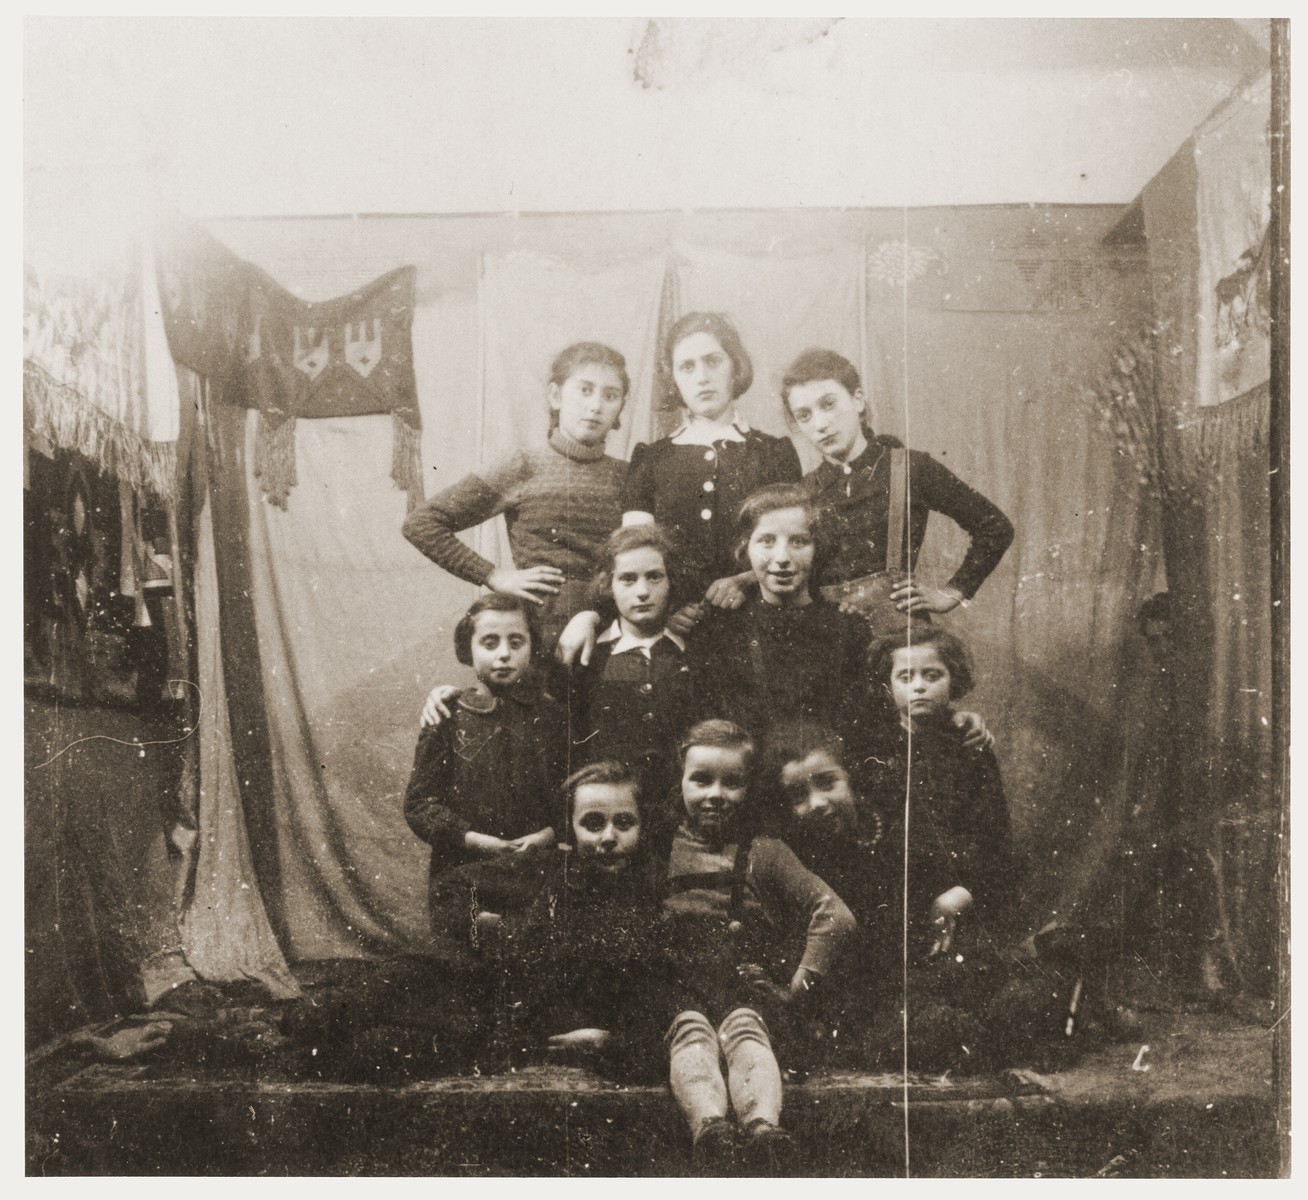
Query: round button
(708,485)
(709,456)
(706,513)
(648,717)
(647,687)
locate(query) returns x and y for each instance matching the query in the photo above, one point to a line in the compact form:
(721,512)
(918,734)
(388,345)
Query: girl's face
(640,590)
(818,793)
(588,403)
(704,375)
(713,784)
(781,556)
(830,417)
(606,825)
(501,647)
(919,683)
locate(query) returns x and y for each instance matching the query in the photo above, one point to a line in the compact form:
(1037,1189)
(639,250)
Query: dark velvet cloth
(855,507)
(494,767)
(761,665)
(679,484)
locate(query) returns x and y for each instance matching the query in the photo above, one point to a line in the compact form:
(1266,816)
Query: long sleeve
(463,505)
(985,863)
(638,489)
(784,466)
(990,531)
(433,776)
(790,888)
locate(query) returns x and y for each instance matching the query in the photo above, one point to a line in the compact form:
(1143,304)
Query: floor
(1190,1096)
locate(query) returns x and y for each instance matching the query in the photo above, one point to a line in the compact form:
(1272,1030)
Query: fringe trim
(65,419)
(406,459)
(274,458)
(1205,437)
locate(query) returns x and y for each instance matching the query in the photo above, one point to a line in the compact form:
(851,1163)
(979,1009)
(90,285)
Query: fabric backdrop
(1224,810)
(983,333)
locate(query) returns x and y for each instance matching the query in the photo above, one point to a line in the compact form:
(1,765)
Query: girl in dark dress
(785,655)
(948,813)
(633,701)
(694,481)
(569,942)
(876,497)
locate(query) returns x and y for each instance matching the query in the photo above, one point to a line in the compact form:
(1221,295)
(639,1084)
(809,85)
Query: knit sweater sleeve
(465,505)
(991,532)
(436,823)
(790,889)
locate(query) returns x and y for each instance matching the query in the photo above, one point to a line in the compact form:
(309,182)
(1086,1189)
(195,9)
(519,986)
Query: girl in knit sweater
(559,501)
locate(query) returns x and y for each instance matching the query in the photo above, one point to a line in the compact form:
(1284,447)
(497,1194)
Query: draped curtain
(978,333)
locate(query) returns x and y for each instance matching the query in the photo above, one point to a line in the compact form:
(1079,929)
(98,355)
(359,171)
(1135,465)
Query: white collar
(691,433)
(627,641)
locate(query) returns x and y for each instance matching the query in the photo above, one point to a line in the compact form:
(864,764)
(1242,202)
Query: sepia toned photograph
(656,597)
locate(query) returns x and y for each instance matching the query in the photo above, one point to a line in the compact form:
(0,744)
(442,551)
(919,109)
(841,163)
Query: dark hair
(953,653)
(794,741)
(815,364)
(773,498)
(491,602)
(603,771)
(716,324)
(721,735)
(580,354)
(628,538)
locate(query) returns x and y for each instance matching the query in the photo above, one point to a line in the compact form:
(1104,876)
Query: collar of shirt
(693,433)
(626,641)
(830,473)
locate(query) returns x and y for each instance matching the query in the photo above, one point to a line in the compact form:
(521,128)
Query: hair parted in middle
(634,537)
(605,770)
(774,498)
(719,326)
(951,649)
(465,630)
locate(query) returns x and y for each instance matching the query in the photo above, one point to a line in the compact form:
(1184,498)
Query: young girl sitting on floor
(738,906)
(876,497)
(961,866)
(483,781)
(819,808)
(570,938)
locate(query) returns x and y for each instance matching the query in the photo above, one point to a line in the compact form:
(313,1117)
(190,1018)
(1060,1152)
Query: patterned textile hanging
(289,358)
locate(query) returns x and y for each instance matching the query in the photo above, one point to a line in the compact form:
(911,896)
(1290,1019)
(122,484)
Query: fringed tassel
(406,459)
(66,420)
(1208,436)
(274,457)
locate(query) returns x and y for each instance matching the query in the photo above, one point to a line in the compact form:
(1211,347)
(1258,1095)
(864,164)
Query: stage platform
(1197,1103)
